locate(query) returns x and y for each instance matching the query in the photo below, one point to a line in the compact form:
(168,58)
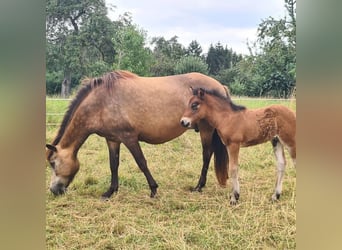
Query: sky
(230,22)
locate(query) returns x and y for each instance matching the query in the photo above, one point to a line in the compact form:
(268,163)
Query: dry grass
(176,218)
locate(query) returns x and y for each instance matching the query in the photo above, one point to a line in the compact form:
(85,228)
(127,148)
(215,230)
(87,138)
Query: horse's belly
(157,135)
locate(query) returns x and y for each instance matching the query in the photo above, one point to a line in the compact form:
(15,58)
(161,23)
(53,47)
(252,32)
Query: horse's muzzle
(58,189)
(185,122)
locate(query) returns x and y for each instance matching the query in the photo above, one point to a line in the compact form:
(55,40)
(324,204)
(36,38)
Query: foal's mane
(88,84)
(226,99)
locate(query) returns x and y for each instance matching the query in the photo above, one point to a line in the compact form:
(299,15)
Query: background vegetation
(82,41)
(176,218)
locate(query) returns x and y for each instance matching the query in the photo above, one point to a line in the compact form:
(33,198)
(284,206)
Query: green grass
(176,218)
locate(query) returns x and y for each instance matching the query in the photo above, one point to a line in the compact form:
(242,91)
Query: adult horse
(125,108)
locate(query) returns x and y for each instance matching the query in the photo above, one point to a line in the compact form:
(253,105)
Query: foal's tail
(220,159)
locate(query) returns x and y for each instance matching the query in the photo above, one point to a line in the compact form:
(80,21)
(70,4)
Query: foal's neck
(218,109)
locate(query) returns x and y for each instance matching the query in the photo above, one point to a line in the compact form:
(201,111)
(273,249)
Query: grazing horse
(241,127)
(125,108)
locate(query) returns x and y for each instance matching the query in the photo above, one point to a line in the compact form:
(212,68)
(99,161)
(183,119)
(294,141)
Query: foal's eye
(194,106)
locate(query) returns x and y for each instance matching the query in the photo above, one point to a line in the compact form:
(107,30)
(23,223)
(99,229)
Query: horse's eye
(194,106)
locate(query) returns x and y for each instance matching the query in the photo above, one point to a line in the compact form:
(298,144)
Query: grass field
(176,218)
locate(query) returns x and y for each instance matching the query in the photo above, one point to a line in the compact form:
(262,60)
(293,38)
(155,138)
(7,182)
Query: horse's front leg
(135,149)
(233,151)
(207,152)
(114,153)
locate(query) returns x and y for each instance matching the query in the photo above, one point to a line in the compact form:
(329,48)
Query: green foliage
(82,41)
(132,54)
(270,69)
(191,64)
(220,58)
(166,53)
(78,40)
(52,80)
(194,49)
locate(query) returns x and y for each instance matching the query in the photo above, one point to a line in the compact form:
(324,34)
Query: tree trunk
(65,93)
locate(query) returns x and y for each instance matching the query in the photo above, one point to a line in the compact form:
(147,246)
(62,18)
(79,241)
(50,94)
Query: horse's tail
(220,159)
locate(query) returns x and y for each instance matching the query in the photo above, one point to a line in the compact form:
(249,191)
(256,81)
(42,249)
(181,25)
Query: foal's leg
(278,150)
(233,151)
(114,152)
(206,134)
(135,149)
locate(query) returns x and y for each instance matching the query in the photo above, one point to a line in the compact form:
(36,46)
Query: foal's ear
(51,147)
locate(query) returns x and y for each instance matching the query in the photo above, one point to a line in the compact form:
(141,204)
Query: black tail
(220,159)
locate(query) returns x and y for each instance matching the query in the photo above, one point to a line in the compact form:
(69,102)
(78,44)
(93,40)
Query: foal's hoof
(234,198)
(233,202)
(275,197)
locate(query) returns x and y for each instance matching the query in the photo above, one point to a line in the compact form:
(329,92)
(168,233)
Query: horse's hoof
(153,193)
(103,198)
(196,189)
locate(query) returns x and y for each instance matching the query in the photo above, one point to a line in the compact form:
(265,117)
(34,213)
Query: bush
(189,64)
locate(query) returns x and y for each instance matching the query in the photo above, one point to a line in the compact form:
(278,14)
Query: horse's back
(153,106)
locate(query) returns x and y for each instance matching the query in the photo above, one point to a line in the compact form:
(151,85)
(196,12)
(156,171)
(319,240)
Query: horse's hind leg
(135,149)
(114,152)
(278,150)
(233,151)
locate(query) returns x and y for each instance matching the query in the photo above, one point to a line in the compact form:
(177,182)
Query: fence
(55,118)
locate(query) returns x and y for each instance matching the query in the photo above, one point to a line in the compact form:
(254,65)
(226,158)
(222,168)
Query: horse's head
(193,112)
(64,167)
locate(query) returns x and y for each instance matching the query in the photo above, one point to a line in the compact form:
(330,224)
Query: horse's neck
(74,136)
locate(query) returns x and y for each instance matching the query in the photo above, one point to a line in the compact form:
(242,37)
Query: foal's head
(195,110)
(64,167)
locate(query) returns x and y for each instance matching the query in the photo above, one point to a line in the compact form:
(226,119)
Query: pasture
(176,218)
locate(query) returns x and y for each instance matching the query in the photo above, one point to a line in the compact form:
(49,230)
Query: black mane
(214,92)
(88,85)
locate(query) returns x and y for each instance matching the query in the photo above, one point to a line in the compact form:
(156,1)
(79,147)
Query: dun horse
(240,127)
(125,108)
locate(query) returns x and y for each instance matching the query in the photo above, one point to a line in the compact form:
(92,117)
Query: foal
(240,127)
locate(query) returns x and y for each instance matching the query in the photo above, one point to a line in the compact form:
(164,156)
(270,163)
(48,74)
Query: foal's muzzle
(185,122)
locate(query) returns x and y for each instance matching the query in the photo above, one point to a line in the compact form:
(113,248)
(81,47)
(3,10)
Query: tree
(78,34)
(129,42)
(191,64)
(219,58)
(270,69)
(194,49)
(165,55)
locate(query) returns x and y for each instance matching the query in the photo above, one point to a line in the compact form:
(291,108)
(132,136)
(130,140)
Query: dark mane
(227,99)
(88,85)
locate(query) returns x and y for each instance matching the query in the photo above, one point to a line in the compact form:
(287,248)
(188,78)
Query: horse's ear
(201,93)
(51,147)
(191,89)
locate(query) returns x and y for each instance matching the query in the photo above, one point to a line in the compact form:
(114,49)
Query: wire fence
(54,118)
